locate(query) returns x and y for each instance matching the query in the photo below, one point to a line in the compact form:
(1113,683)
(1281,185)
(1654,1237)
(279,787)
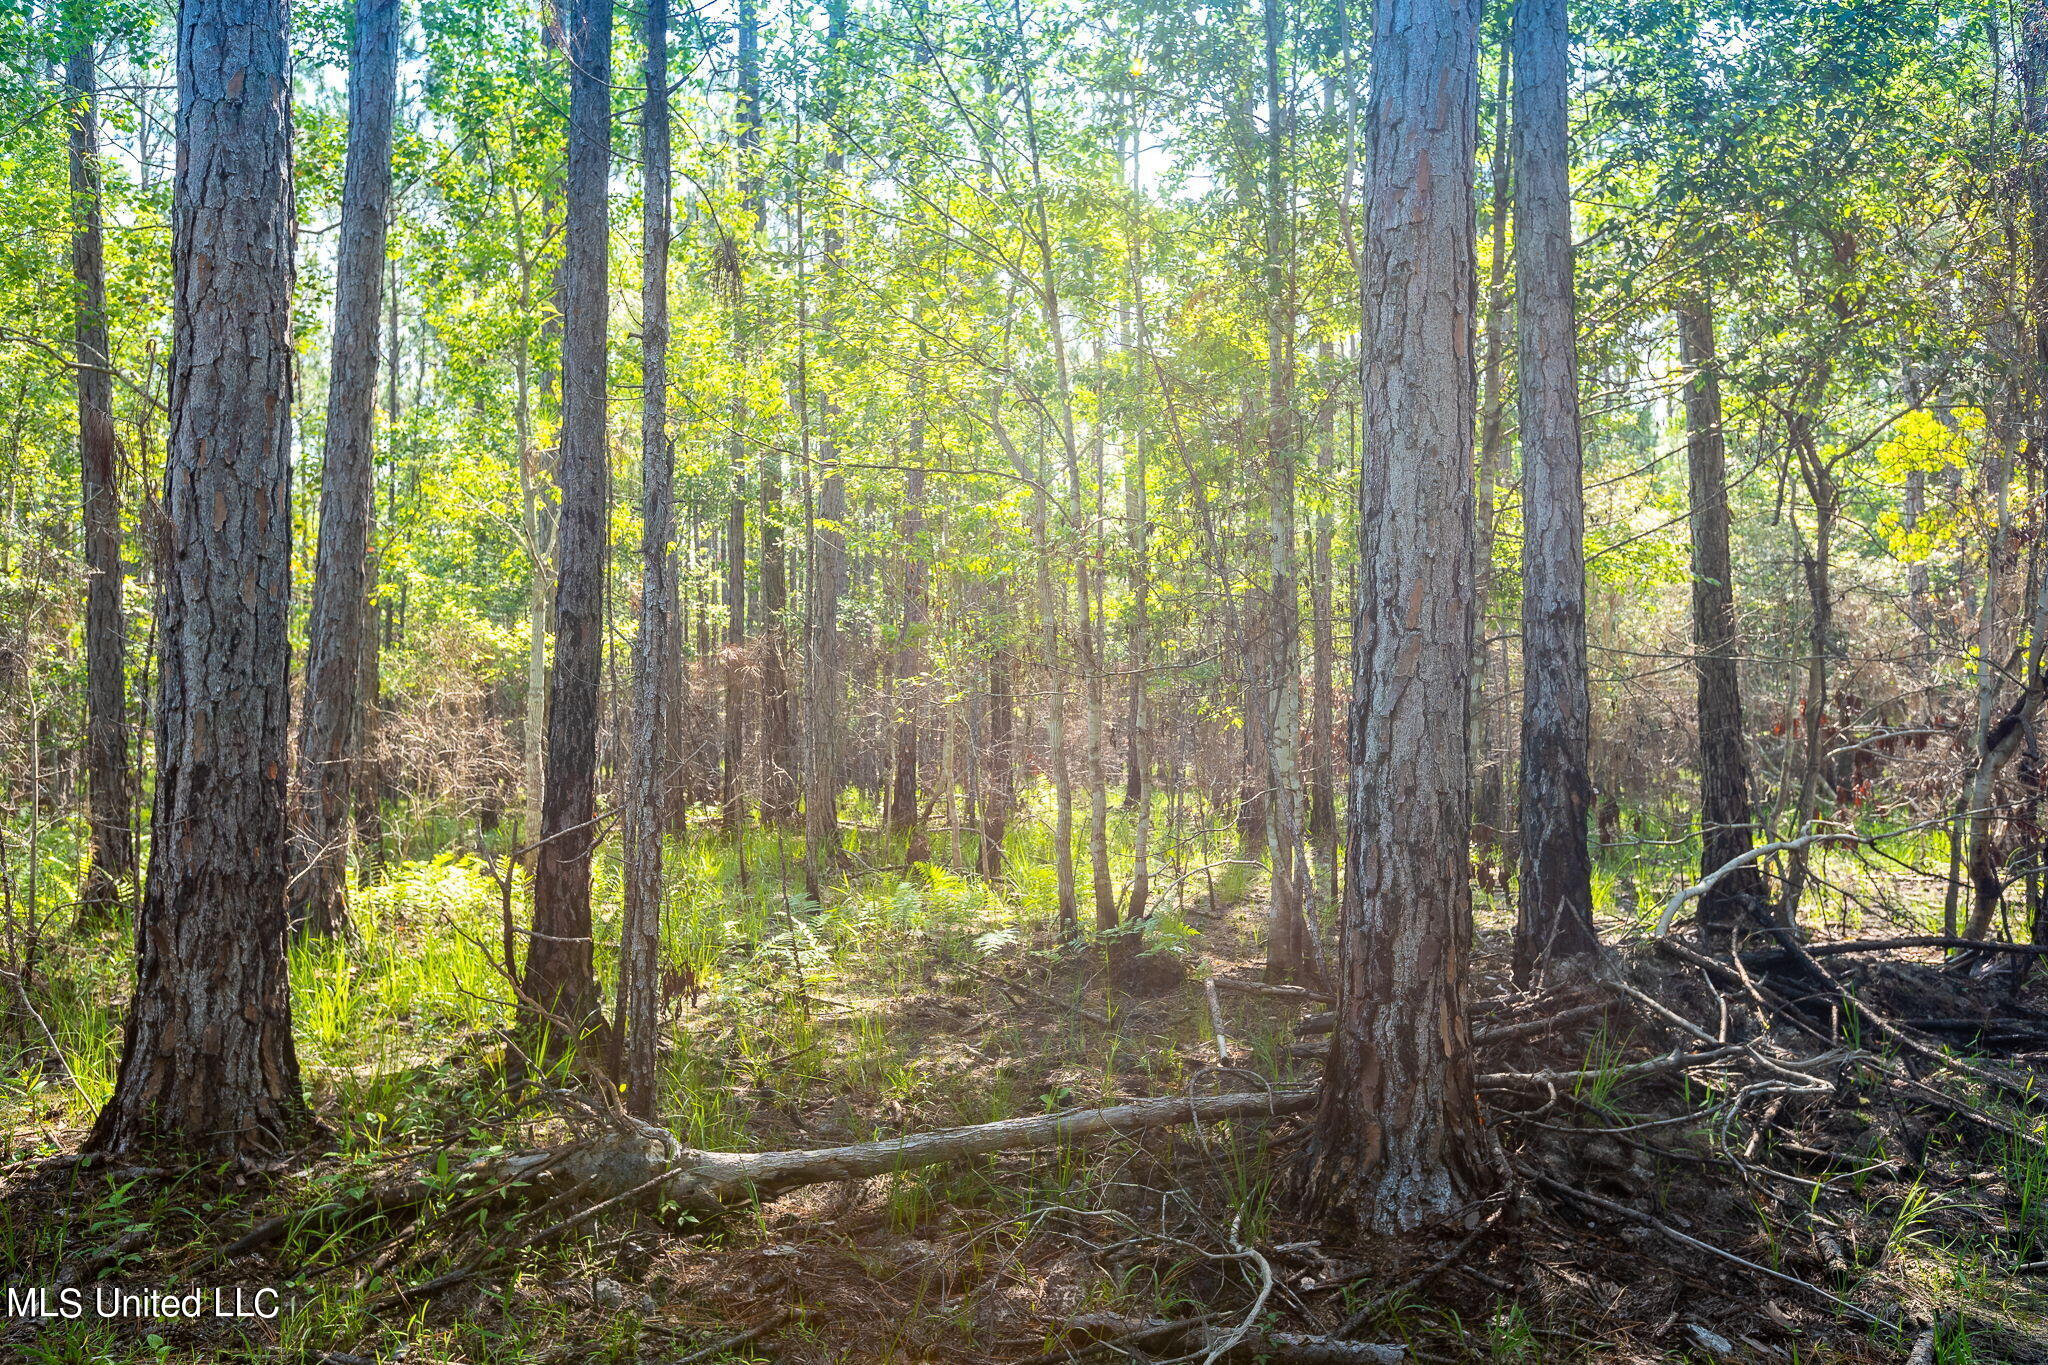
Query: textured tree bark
(330,720)
(559,995)
(207,1064)
(1726,821)
(1554,911)
(1397,1139)
(109,780)
(639,994)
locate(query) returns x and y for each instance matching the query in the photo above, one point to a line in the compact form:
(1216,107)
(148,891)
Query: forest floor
(1875,1207)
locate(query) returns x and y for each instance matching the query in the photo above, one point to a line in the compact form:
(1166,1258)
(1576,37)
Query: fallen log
(701,1178)
(1231,983)
(1108,1332)
(640,1162)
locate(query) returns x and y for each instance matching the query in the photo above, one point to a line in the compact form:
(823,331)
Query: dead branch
(1669,1062)
(641,1161)
(1229,983)
(1881,945)
(1761,851)
(1216,1023)
(1095,1017)
(1420,1277)
(754,1333)
(1659,1226)
(1932,1056)
(1111,1333)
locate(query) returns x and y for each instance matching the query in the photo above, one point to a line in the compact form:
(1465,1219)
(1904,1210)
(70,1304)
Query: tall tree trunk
(732,804)
(824,670)
(537,529)
(207,1064)
(330,721)
(1397,1140)
(1489,794)
(997,796)
(639,994)
(368,776)
(1554,911)
(1063,418)
(1726,822)
(1137,516)
(778,743)
(1093,632)
(1055,716)
(1986,882)
(909,663)
(559,990)
(109,783)
(368,784)
(1287,939)
(1817,566)
(1322,797)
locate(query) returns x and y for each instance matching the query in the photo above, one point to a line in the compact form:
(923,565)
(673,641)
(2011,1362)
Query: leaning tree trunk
(1726,823)
(1397,1140)
(1554,912)
(207,1064)
(109,784)
(639,995)
(330,721)
(559,989)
